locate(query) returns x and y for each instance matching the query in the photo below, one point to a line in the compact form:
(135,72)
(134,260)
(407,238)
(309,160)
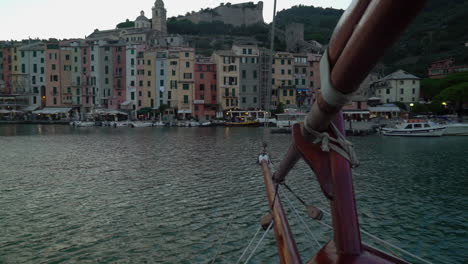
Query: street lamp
(444,103)
(411,104)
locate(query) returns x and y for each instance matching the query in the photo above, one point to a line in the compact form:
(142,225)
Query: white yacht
(415,128)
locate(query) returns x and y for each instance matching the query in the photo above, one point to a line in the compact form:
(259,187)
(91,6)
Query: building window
(148,83)
(202,76)
(414,91)
(187,64)
(187,76)
(388,91)
(244,100)
(401,82)
(202,87)
(244,88)
(255,74)
(169,95)
(187,54)
(139,102)
(226,92)
(185,86)
(244,74)
(149,73)
(132,95)
(227,102)
(149,94)
(185,99)
(161,72)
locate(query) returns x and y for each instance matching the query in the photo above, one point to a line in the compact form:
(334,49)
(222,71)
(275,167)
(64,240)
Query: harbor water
(194,195)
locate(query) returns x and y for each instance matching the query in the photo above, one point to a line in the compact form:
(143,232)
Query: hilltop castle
(244,14)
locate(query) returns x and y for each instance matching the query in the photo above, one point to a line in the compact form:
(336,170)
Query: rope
(250,243)
(259,242)
(340,144)
(302,220)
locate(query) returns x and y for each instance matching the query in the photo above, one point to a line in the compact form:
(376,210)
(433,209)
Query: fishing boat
(415,128)
(364,32)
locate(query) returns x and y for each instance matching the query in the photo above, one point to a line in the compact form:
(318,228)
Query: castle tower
(159,17)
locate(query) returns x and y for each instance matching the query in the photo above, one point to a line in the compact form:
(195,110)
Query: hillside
(438,32)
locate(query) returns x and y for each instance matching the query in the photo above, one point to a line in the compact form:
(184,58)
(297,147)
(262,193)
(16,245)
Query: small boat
(248,123)
(415,128)
(289,118)
(141,124)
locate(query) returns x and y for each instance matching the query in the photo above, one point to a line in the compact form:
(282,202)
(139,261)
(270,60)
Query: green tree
(456,95)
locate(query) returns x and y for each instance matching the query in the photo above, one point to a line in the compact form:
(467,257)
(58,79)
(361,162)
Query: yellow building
(227,64)
(65,66)
(283,89)
(185,95)
(149,89)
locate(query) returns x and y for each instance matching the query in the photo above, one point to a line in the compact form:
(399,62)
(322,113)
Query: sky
(21,19)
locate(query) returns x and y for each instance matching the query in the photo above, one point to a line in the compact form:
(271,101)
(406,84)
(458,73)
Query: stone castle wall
(237,15)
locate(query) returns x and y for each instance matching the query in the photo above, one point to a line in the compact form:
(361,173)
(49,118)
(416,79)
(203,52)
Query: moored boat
(415,128)
(82,124)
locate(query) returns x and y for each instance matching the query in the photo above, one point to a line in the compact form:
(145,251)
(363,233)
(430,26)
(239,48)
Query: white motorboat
(456,129)
(141,124)
(288,119)
(415,128)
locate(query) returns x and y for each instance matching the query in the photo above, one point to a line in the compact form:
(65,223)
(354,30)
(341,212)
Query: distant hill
(318,22)
(439,32)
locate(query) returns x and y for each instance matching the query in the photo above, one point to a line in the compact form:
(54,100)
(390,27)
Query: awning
(184,111)
(108,112)
(384,109)
(2,111)
(356,112)
(302,89)
(52,111)
(126,103)
(31,108)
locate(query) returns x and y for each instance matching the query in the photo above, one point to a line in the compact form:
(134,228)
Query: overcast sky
(20,19)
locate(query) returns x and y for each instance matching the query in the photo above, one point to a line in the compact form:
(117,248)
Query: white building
(399,86)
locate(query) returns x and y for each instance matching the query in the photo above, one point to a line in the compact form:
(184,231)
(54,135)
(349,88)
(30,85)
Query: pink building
(119,76)
(52,76)
(205,100)
(7,67)
(140,76)
(87,93)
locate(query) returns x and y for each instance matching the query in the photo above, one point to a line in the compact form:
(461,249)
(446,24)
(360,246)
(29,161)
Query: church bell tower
(159,17)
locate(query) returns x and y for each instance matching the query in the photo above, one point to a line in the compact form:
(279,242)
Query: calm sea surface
(184,195)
